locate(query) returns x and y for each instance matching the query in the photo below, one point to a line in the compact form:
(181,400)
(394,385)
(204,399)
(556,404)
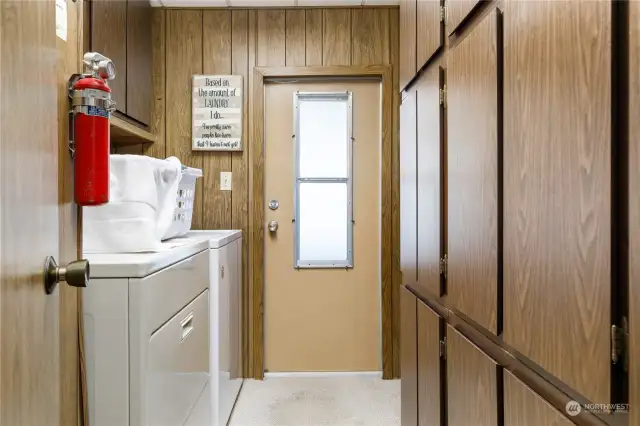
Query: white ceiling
(271,3)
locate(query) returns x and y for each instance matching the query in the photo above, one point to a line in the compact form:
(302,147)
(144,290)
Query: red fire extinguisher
(91,106)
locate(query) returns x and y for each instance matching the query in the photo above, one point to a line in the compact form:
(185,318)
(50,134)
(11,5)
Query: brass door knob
(76,274)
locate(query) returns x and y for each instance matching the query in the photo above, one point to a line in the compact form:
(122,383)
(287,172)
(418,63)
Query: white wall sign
(217,113)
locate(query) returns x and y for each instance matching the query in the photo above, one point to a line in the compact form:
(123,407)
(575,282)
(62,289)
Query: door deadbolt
(76,274)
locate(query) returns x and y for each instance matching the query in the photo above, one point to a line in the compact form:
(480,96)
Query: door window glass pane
(323,227)
(323,139)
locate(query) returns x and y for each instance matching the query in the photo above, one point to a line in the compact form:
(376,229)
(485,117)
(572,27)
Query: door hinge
(443,348)
(444,266)
(443,96)
(619,344)
(443,13)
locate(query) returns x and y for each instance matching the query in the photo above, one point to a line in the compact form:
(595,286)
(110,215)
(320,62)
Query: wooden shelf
(124,133)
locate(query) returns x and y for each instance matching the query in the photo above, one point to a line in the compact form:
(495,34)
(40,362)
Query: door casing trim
(255,330)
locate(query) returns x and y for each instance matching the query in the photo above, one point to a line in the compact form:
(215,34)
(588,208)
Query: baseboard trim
(321,374)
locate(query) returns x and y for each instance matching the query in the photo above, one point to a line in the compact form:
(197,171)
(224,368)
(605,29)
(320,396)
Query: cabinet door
(429,181)
(408,358)
(408,188)
(457,11)
(471,384)
(428,366)
(524,407)
(109,37)
(407,41)
(472,151)
(634,213)
(139,61)
(429,30)
(557,189)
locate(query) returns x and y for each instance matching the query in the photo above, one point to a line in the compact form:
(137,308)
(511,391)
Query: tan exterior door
(322,318)
(38,332)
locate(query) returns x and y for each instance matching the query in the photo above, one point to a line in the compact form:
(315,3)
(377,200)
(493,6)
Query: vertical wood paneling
(394,55)
(216,60)
(271,38)
(428,30)
(428,157)
(314,31)
(408,358)
(241,64)
(634,212)
(408,189)
(139,61)
(472,166)
(557,191)
(457,10)
(336,45)
(184,59)
(295,38)
(523,407)
(471,384)
(428,366)
(407,41)
(158,55)
(370,44)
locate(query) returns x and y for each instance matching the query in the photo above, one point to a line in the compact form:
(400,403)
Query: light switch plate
(225,181)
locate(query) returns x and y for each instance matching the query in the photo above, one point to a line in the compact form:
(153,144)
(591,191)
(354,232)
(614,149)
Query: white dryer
(225,300)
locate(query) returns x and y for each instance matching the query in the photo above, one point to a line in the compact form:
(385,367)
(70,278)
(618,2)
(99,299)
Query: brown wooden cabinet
(407,41)
(472,391)
(408,358)
(473,173)
(121,30)
(408,182)
(523,407)
(429,374)
(429,30)
(457,11)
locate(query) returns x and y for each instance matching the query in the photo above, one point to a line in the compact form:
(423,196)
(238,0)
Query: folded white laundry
(142,200)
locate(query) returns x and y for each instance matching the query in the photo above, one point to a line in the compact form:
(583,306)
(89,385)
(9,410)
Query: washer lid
(217,238)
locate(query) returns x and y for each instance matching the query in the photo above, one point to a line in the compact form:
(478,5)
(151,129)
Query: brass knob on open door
(75,274)
(273,226)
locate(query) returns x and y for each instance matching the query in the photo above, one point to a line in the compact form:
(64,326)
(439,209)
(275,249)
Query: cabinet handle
(186,327)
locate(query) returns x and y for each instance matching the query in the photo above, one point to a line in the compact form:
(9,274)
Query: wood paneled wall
(188,42)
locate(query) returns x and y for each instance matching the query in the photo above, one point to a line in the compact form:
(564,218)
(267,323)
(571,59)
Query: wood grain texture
(30,351)
(296,38)
(184,59)
(557,224)
(409,189)
(122,132)
(428,158)
(314,32)
(139,61)
(69,62)
(336,42)
(109,37)
(429,37)
(634,212)
(524,407)
(408,40)
(428,366)
(394,58)
(271,38)
(370,43)
(243,41)
(472,167)
(158,57)
(457,11)
(408,358)
(216,60)
(471,383)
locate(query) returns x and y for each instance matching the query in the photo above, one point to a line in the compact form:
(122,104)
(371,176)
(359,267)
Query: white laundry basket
(184,203)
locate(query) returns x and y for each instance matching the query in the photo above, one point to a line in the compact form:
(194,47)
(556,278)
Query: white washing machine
(225,299)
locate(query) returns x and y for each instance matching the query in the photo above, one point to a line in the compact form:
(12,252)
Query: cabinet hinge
(619,344)
(443,348)
(443,13)
(444,266)
(443,96)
